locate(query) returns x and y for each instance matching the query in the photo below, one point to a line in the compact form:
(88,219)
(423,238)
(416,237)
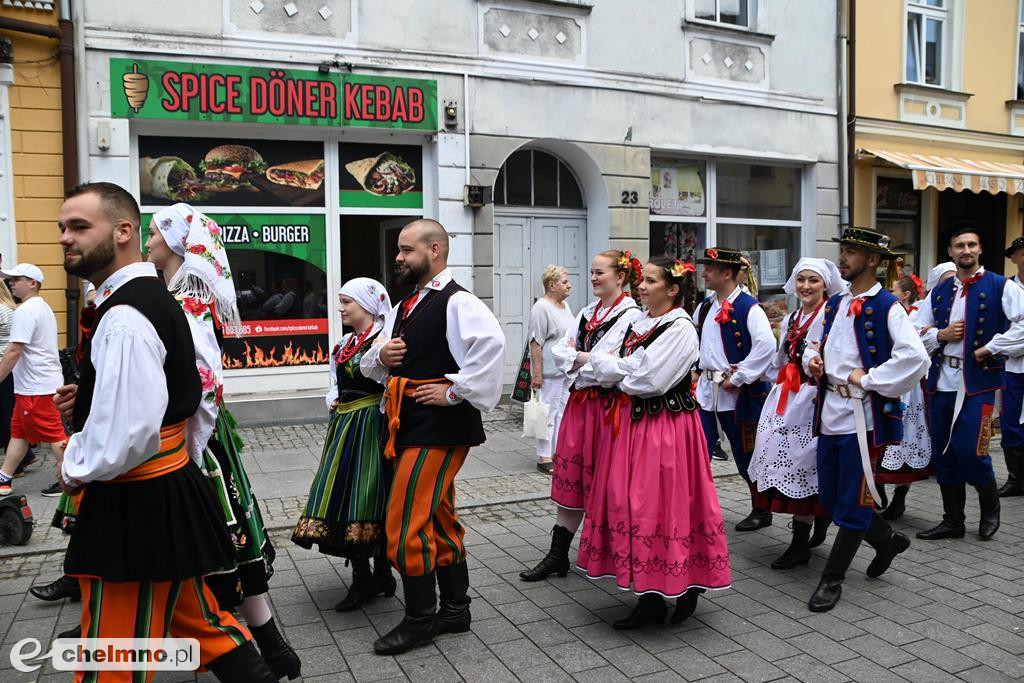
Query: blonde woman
(549,320)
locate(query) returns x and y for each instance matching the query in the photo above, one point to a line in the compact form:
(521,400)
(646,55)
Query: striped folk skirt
(348,499)
(241,512)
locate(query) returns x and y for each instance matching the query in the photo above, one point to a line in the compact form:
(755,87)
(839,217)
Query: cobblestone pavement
(945,611)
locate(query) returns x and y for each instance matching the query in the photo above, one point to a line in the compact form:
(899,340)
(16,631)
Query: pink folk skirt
(653,519)
(583,439)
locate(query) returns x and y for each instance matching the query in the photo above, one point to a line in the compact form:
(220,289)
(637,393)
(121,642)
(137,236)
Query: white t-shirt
(37,372)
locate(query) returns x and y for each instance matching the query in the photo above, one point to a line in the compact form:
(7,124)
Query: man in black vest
(441,355)
(148,528)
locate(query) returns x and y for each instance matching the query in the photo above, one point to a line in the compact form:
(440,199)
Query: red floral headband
(680,268)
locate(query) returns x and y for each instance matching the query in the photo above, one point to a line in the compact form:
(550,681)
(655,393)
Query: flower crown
(680,269)
(629,262)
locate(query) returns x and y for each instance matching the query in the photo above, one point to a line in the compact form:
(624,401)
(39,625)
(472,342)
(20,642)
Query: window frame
(945,15)
(751,25)
(1018,84)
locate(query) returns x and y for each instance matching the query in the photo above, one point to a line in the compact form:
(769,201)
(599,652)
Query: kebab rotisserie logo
(224,92)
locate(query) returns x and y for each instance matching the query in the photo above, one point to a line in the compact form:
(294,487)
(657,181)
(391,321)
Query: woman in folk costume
(783,468)
(348,499)
(187,247)
(582,439)
(653,518)
(910,460)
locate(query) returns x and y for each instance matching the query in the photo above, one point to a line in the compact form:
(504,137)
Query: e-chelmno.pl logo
(108,654)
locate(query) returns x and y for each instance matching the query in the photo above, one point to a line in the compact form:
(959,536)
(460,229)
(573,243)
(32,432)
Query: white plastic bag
(535,418)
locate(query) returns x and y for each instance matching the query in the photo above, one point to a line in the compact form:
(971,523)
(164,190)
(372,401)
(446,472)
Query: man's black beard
(853,274)
(411,275)
(92,262)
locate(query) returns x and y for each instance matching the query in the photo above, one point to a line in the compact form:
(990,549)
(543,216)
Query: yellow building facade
(939,123)
(33,150)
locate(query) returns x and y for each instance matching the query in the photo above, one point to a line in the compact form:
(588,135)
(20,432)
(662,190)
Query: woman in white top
(7,307)
(549,320)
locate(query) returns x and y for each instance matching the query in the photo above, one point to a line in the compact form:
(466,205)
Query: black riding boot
(897,506)
(386,582)
(276,651)
(453,586)
(557,559)
(1014,485)
(242,665)
(798,551)
(988,501)
(887,544)
(954,497)
(844,548)
(821,525)
(420,622)
(650,607)
(686,605)
(757,519)
(363,589)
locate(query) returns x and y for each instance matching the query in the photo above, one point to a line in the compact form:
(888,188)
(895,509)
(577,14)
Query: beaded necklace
(596,320)
(637,339)
(353,346)
(798,331)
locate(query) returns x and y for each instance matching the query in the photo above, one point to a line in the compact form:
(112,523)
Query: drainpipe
(841,114)
(63,33)
(851,115)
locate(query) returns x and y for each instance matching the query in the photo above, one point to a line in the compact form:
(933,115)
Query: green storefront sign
(185,91)
(301,236)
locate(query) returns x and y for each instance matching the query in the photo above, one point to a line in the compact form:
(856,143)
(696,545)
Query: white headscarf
(829,272)
(206,274)
(369,294)
(938,271)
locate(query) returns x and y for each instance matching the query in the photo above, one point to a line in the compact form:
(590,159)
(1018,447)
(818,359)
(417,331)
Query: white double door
(525,243)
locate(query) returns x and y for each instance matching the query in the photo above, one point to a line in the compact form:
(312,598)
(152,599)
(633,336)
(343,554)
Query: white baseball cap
(24,270)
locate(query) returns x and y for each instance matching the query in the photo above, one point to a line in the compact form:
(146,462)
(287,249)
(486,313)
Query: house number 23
(630,197)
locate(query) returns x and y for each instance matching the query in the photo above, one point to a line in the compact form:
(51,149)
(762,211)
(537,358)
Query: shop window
(898,215)
(926,41)
(758,191)
(530,177)
(734,12)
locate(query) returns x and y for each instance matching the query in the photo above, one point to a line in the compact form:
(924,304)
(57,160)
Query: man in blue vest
(869,355)
(976,318)
(736,347)
(1011,429)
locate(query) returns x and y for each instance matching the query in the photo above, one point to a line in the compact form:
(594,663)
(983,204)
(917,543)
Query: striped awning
(952,173)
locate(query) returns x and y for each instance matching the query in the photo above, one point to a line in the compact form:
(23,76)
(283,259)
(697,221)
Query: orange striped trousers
(155,609)
(422,527)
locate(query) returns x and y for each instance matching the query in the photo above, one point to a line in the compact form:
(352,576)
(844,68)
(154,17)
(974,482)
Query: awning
(956,174)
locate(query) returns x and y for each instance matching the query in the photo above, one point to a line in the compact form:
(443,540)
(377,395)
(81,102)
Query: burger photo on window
(227,168)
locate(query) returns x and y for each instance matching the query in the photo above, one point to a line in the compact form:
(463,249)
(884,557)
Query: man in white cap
(33,358)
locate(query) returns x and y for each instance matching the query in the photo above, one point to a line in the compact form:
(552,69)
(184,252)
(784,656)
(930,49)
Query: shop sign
(184,91)
(677,188)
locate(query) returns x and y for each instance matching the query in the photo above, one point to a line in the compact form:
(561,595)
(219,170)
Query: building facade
(536,131)
(940,123)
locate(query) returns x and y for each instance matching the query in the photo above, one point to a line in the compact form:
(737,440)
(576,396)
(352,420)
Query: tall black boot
(363,589)
(798,551)
(650,607)
(954,497)
(686,605)
(557,559)
(1014,485)
(898,505)
(821,525)
(988,501)
(887,544)
(276,651)
(386,583)
(453,585)
(757,519)
(242,665)
(844,548)
(420,622)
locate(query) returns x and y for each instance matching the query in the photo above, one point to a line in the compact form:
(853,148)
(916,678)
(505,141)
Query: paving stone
(766,645)
(373,667)
(633,660)
(496,630)
(322,660)
(807,669)
(823,648)
(1000,660)
(690,663)
(879,651)
(750,667)
(919,671)
(984,674)
(1005,639)
(889,631)
(575,656)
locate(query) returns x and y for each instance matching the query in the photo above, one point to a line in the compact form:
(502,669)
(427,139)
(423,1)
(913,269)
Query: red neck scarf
(724,315)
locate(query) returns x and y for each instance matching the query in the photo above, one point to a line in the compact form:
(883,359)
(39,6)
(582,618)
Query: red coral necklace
(597,320)
(353,345)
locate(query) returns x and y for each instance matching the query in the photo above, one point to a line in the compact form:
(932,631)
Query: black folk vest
(149,296)
(427,356)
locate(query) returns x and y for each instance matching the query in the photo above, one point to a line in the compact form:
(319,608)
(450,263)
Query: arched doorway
(540,219)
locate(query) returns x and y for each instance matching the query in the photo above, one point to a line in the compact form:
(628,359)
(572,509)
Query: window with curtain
(734,12)
(925,40)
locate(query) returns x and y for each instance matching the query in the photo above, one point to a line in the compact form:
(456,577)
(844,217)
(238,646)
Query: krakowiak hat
(871,240)
(722,257)
(1014,246)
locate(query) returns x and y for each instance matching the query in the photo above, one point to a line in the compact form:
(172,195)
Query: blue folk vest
(983,319)
(871,328)
(736,343)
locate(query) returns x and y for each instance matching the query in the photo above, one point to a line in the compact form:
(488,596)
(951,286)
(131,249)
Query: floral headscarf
(206,273)
(369,294)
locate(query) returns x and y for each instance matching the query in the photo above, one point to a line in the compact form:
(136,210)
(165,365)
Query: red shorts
(37,420)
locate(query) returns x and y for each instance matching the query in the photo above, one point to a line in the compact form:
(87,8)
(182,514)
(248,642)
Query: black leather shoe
(242,665)
(830,588)
(649,607)
(988,501)
(821,525)
(276,651)
(75,632)
(943,530)
(420,622)
(825,596)
(757,519)
(557,559)
(64,587)
(453,586)
(798,551)
(954,497)
(1014,485)
(363,589)
(686,605)
(887,544)
(546,467)
(897,506)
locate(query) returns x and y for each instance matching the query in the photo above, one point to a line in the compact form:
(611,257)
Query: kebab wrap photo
(308,174)
(169,178)
(385,175)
